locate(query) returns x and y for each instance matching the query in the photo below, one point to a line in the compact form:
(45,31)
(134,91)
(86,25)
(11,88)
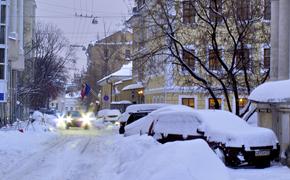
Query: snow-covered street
(102,154)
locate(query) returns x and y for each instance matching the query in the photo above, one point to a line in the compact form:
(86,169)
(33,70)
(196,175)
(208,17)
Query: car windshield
(74,114)
(135,116)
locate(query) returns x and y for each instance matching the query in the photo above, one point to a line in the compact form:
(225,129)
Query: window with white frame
(267,9)
(266,60)
(214,63)
(189,59)
(188,102)
(211,103)
(243,59)
(188,12)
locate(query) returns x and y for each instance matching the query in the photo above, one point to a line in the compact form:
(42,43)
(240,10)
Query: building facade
(17,25)
(171,83)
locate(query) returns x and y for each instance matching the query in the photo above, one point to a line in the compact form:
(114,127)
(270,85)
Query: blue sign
(106,98)
(1,96)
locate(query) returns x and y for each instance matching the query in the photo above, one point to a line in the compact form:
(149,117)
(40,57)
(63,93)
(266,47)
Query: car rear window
(135,116)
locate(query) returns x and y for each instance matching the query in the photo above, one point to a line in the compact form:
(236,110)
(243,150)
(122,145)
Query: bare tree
(227,35)
(45,72)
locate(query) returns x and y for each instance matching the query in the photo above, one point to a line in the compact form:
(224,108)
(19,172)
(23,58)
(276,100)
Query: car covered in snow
(235,142)
(109,115)
(135,112)
(77,119)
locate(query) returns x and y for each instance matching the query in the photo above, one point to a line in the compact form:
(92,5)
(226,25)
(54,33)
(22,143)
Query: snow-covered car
(77,119)
(135,112)
(109,115)
(235,142)
(141,126)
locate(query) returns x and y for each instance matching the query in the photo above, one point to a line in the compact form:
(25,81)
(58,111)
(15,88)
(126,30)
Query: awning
(272,92)
(133,86)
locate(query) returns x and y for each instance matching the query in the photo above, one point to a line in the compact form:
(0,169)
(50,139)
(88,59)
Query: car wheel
(221,154)
(263,163)
(86,127)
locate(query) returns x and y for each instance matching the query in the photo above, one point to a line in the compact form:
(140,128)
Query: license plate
(262,153)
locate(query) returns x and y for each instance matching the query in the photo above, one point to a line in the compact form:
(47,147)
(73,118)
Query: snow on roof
(124,72)
(137,85)
(108,112)
(139,107)
(121,102)
(187,160)
(272,92)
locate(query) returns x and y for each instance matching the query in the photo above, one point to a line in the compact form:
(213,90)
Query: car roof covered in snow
(107,112)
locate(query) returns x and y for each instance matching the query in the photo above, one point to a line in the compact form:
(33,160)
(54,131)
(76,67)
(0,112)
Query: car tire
(263,163)
(86,127)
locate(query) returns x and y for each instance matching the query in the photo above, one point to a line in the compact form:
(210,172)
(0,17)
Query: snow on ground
(101,154)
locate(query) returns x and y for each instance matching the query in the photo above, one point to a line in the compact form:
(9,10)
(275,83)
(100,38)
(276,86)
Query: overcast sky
(80,30)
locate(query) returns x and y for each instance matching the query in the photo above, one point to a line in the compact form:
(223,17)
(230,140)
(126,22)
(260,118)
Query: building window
(71,108)
(267,9)
(215,6)
(188,12)
(211,103)
(66,108)
(267,58)
(243,9)
(242,102)
(127,54)
(188,102)
(106,53)
(214,63)
(140,3)
(243,59)
(2,71)
(2,34)
(52,104)
(3,15)
(188,59)
(2,55)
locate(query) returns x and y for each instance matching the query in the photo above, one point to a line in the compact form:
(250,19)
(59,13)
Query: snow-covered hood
(225,127)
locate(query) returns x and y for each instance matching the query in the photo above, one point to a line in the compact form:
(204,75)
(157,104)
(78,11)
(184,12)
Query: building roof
(137,85)
(123,73)
(272,92)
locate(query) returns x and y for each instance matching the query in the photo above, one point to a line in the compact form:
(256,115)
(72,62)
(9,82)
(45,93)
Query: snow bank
(275,92)
(189,160)
(142,158)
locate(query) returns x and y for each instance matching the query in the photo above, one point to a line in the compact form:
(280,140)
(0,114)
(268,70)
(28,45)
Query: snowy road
(73,155)
(92,155)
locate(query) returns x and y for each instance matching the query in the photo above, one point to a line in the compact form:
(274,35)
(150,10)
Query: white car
(109,115)
(236,142)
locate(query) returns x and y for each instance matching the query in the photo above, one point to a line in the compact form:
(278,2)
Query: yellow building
(170,83)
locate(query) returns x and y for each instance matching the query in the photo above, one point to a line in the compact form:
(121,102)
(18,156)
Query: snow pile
(141,158)
(275,92)
(16,146)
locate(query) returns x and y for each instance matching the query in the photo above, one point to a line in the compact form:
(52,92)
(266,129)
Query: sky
(79,30)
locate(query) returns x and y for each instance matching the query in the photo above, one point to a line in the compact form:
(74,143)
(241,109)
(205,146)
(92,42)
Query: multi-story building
(106,56)
(159,25)
(14,34)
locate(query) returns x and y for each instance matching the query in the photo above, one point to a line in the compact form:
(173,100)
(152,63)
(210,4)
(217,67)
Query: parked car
(109,115)
(135,112)
(77,119)
(233,140)
(141,126)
